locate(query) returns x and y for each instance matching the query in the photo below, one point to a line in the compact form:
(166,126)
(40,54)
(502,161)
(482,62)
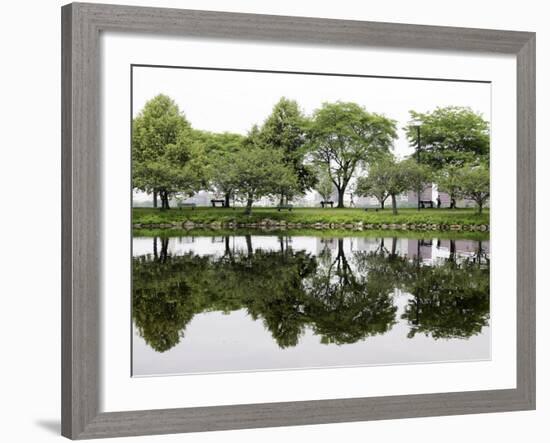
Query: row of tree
(387,178)
(291,153)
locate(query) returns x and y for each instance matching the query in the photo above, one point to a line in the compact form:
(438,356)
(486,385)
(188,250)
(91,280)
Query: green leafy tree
(448,180)
(217,154)
(178,171)
(257,173)
(324,186)
(344,136)
(418,176)
(285,129)
(398,182)
(375,184)
(450,135)
(157,126)
(390,177)
(475,183)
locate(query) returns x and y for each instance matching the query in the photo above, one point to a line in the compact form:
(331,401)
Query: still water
(257,301)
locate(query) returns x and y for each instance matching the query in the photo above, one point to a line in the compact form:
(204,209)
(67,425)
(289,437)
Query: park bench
(288,207)
(214,202)
(424,203)
(187,205)
(326,203)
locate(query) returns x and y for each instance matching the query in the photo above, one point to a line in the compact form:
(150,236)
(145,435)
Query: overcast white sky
(232,101)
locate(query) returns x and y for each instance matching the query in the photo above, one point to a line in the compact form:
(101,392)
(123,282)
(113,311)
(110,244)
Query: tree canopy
(161,138)
(451,135)
(475,183)
(375,183)
(257,172)
(324,185)
(388,177)
(285,129)
(344,136)
(218,151)
(448,180)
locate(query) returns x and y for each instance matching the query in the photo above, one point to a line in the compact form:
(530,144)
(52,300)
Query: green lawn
(326,233)
(310,216)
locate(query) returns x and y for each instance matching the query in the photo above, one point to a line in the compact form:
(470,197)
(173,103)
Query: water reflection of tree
(162,302)
(288,290)
(342,297)
(169,290)
(346,305)
(450,300)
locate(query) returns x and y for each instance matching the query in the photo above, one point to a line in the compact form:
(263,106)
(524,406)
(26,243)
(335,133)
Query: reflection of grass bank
(311,216)
(323,233)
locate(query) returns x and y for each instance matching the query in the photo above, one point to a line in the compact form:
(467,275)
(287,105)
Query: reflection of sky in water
(234,341)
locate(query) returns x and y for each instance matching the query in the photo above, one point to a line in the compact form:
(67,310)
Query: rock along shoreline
(278,225)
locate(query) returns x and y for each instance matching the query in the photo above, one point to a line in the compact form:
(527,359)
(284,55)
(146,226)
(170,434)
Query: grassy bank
(322,233)
(310,216)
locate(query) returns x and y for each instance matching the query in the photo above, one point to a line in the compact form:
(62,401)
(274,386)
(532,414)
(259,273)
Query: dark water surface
(259,301)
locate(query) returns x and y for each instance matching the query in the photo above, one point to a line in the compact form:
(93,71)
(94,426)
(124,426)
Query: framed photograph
(275,221)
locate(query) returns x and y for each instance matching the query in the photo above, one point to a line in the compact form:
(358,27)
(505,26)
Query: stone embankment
(277,224)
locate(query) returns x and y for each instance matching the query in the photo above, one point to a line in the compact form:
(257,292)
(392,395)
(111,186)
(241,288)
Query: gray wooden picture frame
(81,228)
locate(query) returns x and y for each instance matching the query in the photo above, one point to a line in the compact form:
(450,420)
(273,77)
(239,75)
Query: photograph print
(290,220)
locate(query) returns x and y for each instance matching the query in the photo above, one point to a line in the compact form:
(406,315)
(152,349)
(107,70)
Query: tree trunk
(480,207)
(343,267)
(227,197)
(393,246)
(282,200)
(341,197)
(249,249)
(163,249)
(227,249)
(248,209)
(452,250)
(164,200)
(155,195)
(479,252)
(394,204)
(382,203)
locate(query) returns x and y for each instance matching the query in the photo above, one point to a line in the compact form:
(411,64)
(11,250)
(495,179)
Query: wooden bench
(214,202)
(326,203)
(187,205)
(289,207)
(423,204)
